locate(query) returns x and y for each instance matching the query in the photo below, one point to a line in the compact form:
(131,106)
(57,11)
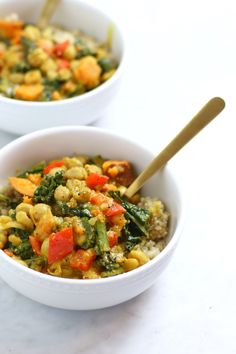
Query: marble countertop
(179,55)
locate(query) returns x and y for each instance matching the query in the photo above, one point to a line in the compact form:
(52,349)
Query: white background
(179,55)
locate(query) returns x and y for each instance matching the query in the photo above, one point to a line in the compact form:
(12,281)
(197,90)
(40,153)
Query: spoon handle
(198,122)
(47,12)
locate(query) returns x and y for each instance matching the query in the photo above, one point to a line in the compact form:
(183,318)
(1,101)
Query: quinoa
(158,226)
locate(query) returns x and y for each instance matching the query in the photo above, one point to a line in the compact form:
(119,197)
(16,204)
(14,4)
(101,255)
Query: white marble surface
(180,54)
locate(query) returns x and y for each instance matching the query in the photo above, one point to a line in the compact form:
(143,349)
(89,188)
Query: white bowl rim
(91,282)
(88,94)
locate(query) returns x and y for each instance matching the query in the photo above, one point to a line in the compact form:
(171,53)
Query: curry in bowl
(70,218)
(50,64)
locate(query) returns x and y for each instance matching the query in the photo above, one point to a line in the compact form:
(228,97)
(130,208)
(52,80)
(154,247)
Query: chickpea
(62,194)
(32,33)
(38,211)
(72,162)
(17,78)
(12,59)
(74,64)
(54,170)
(93,169)
(76,172)
(64,74)
(49,65)
(69,87)
(37,57)
(70,52)
(52,75)
(33,77)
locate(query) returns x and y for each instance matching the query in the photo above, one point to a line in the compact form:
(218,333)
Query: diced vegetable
(28,92)
(102,239)
(63,64)
(114,209)
(112,238)
(60,48)
(95,180)
(36,245)
(52,165)
(98,199)
(10,28)
(83,259)
(23,186)
(60,245)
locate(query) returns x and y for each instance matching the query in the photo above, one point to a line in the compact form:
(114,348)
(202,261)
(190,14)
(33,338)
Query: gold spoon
(46,13)
(198,122)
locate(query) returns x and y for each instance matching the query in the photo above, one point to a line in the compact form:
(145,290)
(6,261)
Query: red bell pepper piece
(60,245)
(98,199)
(52,165)
(112,238)
(36,245)
(60,48)
(83,259)
(63,64)
(114,209)
(94,180)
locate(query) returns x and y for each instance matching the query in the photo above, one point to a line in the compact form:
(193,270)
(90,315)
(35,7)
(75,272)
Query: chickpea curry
(50,64)
(69,218)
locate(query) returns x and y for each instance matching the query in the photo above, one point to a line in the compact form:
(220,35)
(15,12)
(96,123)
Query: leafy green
(23,250)
(21,67)
(35,169)
(90,234)
(96,160)
(10,202)
(36,263)
(111,273)
(107,262)
(107,64)
(84,52)
(101,237)
(49,87)
(132,236)
(139,216)
(23,234)
(78,91)
(27,44)
(138,221)
(80,211)
(45,192)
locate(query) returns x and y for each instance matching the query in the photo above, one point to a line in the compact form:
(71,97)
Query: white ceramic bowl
(95,293)
(20,117)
